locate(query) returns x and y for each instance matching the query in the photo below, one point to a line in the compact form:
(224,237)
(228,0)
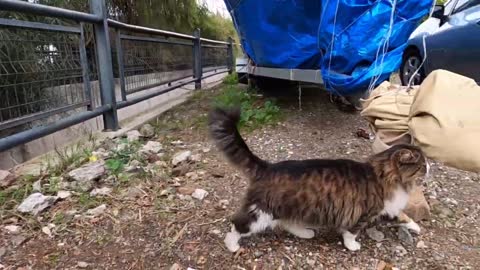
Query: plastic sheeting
(354,42)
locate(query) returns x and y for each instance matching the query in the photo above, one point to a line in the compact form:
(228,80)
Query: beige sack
(387,111)
(445,120)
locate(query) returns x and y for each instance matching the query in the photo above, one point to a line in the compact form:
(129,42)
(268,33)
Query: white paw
(351,244)
(412,226)
(231,241)
(305,233)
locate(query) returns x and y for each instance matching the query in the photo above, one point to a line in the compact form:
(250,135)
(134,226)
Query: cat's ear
(406,156)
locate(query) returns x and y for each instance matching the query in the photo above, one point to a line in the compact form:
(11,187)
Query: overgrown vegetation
(256,110)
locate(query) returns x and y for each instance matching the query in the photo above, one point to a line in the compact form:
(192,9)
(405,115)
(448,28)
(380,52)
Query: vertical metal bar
(85,74)
(104,62)
(197,55)
(121,67)
(230,60)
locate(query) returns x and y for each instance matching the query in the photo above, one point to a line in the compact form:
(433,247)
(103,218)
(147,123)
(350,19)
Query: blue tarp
(346,39)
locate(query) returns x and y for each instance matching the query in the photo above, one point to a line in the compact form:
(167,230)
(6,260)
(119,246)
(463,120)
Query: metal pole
(197,55)
(231,60)
(85,73)
(121,67)
(104,62)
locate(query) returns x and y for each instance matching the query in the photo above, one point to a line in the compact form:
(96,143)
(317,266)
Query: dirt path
(150,223)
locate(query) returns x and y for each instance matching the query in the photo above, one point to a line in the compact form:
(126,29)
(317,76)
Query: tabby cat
(300,195)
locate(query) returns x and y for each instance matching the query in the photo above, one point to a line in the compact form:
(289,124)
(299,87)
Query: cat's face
(412,165)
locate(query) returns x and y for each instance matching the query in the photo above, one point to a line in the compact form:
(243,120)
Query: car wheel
(412,61)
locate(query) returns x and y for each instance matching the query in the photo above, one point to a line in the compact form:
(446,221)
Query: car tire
(410,63)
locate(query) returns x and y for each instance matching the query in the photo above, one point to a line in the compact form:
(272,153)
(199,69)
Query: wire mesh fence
(50,78)
(149,62)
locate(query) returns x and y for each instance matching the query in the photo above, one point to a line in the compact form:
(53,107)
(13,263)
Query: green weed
(231,79)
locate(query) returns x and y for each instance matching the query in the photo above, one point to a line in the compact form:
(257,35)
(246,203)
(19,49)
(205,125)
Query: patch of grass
(231,79)
(121,157)
(256,111)
(53,185)
(86,201)
(11,197)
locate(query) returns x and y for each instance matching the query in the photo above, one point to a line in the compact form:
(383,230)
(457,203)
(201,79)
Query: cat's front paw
(352,244)
(412,226)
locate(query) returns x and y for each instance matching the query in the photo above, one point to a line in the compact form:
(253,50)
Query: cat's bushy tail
(222,124)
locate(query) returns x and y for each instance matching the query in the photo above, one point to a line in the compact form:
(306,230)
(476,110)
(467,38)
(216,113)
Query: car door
(455,46)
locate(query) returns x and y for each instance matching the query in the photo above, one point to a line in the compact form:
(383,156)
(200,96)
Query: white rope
(385,46)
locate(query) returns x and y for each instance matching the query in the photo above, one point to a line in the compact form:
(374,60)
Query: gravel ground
(154,223)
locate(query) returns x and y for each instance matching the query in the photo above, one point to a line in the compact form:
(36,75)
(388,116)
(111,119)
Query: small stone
(104,191)
(186,190)
(3,251)
(30,169)
(88,172)
(13,229)
(133,135)
(374,234)
(443,211)
(192,175)
(205,150)
(216,232)
(147,130)
(311,262)
(6,178)
(63,194)
(82,265)
(180,170)
(175,266)
(421,244)
(36,203)
(176,143)
(404,236)
(258,254)
(181,157)
(199,194)
(97,210)
(152,147)
(400,251)
(18,240)
(37,186)
(46,230)
(196,158)
(164,192)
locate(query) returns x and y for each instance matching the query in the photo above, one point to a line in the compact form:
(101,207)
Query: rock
(133,135)
(30,169)
(152,147)
(216,232)
(133,192)
(192,175)
(180,170)
(186,190)
(82,186)
(37,186)
(82,265)
(104,191)
(205,150)
(374,234)
(400,251)
(6,178)
(46,230)
(88,172)
(13,229)
(258,254)
(311,262)
(421,244)
(404,236)
(181,157)
(199,194)
(443,211)
(36,203)
(175,266)
(164,193)
(196,158)
(63,194)
(177,143)
(18,240)
(417,207)
(147,130)
(97,211)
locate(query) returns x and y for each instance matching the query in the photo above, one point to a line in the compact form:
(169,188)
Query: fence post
(104,65)
(231,60)
(197,55)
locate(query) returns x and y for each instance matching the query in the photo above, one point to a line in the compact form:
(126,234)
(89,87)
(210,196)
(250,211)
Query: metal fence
(53,76)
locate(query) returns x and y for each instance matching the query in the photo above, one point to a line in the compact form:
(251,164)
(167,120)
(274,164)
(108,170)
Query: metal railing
(53,76)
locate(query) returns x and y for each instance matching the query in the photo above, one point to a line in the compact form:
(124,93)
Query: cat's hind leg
(248,221)
(297,229)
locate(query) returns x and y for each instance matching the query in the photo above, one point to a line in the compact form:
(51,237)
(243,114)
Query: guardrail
(54,76)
